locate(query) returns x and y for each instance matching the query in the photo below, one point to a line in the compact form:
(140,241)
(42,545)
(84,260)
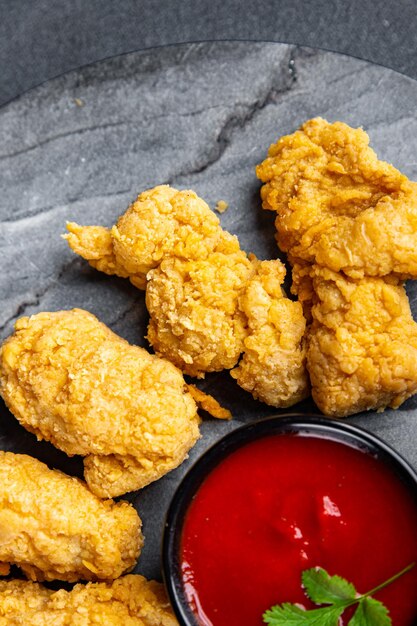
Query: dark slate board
(197,116)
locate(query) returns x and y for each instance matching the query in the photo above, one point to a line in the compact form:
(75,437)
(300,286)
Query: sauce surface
(285,503)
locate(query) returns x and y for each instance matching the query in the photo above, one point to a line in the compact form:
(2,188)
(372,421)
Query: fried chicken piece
(53,527)
(196,274)
(128,601)
(195,320)
(70,380)
(273,365)
(170,242)
(362,344)
(339,206)
(162,222)
(349,225)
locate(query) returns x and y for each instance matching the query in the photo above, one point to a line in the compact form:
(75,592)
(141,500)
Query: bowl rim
(309,423)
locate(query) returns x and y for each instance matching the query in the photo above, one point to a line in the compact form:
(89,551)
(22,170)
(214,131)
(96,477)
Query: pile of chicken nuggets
(348,225)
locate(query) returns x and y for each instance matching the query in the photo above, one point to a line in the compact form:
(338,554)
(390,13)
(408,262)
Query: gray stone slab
(199,116)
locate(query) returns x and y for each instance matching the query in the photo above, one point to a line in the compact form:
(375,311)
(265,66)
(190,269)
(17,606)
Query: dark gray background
(40,39)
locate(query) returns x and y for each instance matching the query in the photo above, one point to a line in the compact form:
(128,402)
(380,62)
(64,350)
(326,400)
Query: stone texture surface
(201,116)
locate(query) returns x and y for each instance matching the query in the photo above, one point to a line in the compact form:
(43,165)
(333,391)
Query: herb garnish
(338,594)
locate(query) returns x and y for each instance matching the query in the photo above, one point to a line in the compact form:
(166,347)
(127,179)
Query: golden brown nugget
(70,380)
(196,276)
(349,225)
(362,344)
(273,365)
(128,601)
(172,244)
(53,527)
(195,319)
(339,206)
(162,222)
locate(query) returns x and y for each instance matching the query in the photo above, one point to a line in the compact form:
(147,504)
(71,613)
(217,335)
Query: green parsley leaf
(338,594)
(370,612)
(291,615)
(322,588)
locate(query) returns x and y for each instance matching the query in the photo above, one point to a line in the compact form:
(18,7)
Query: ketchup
(286,503)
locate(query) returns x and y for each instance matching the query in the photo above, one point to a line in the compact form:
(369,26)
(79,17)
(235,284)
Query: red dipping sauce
(284,503)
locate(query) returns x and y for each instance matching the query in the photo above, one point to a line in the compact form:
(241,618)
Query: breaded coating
(273,365)
(209,404)
(362,344)
(195,320)
(70,380)
(128,601)
(172,244)
(339,206)
(349,225)
(196,275)
(162,222)
(53,527)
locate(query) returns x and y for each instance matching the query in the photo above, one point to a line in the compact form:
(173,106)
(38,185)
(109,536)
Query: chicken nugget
(53,527)
(128,601)
(272,367)
(195,319)
(349,225)
(161,222)
(70,380)
(362,344)
(172,244)
(338,205)
(196,276)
